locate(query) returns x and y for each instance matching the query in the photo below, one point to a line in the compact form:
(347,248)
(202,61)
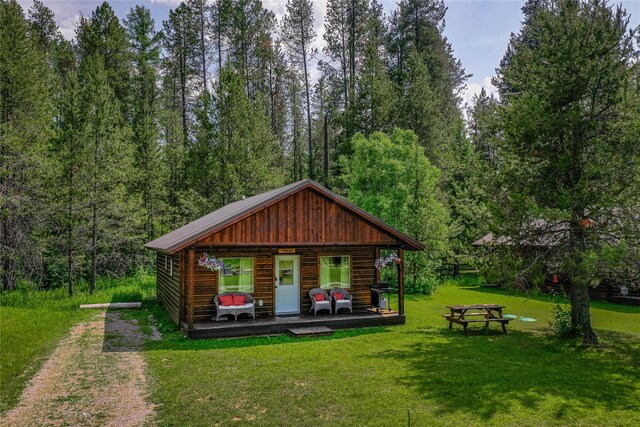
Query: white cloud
(278,7)
(68,26)
(474,88)
(172,3)
(67,13)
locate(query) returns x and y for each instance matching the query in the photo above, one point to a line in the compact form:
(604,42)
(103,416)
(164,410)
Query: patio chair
(316,305)
(344,302)
(247,308)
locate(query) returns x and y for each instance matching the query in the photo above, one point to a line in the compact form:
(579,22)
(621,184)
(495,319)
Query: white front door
(287,284)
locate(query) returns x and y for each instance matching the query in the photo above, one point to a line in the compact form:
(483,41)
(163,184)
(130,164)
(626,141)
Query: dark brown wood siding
(304,218)
(168,283)
(363,274)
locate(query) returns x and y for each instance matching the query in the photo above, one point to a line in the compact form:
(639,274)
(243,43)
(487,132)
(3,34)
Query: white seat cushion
(322,302)
(235,307)
(341,300)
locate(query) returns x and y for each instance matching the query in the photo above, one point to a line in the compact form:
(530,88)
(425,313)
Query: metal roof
(215,221)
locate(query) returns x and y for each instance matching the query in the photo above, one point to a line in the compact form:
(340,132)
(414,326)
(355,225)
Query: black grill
(378,291)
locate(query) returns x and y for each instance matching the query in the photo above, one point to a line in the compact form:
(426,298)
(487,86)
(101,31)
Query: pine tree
(201,12)
(422,110)
(377,105)
(483,125)
(295,151)
(278,81)
(26,117)
(58,51)
(145,54)
(248,29)
(347,23)
(180,64)
(108,161)
(44,25)
(565,159)
(220,15)
(418,26)
(103,35)
(172,158)
(248,155)
(202,167)
(298,34)
(68,197)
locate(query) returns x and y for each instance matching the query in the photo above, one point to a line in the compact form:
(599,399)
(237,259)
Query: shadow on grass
(153,316)
(600,305)
(491,374)
(178,342)
(127,330)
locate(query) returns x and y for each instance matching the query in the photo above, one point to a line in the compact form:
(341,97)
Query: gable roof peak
(192,232)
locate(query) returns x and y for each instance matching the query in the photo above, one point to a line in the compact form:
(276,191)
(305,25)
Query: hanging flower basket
(210,262)
(383,262)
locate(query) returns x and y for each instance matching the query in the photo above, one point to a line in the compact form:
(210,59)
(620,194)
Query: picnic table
(490,313)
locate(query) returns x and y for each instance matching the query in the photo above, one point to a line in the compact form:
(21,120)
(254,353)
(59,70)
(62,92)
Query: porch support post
(191,286)
(377,271)
(181,286)
(401,282)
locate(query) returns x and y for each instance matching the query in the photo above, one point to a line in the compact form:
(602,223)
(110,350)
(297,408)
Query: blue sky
(478,30)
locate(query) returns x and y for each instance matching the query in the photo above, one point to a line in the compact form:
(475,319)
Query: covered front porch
(374,303)
(281,324)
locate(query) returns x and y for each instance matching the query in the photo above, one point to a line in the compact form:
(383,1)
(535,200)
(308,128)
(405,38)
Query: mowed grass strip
(32,322)
(420,370)
(27,337)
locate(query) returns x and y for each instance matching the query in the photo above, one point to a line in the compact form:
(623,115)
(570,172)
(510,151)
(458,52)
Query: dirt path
(96,376)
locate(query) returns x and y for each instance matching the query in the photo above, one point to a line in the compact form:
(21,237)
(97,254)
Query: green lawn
(422,370)
(27,336)
(33,322)
(370,377)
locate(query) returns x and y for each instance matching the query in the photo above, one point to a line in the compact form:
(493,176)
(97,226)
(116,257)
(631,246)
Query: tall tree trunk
(306,87)
(8,264)
(295,147)
(326,150)
(202,47)
(352,48)
(70,259)
(70,232)
(94,248)
(219,37)
(579,291)
(94,218)
(183,97)
(271,98)
(245,56)
(345,79)
(580,314)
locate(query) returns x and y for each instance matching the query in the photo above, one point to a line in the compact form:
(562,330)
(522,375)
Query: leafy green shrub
(560,322)
(464,280)
(422,285)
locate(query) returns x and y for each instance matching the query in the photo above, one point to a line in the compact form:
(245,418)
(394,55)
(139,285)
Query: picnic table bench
(489,312)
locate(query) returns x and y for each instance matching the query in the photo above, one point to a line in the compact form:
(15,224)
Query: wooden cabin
(301,230)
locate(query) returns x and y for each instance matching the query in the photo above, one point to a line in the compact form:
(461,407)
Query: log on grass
(113,305)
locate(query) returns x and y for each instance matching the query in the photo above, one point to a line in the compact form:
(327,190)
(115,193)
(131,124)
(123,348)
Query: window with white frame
(236,275)
(335,271)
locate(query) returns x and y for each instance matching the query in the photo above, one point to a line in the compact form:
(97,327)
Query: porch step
(313,331)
